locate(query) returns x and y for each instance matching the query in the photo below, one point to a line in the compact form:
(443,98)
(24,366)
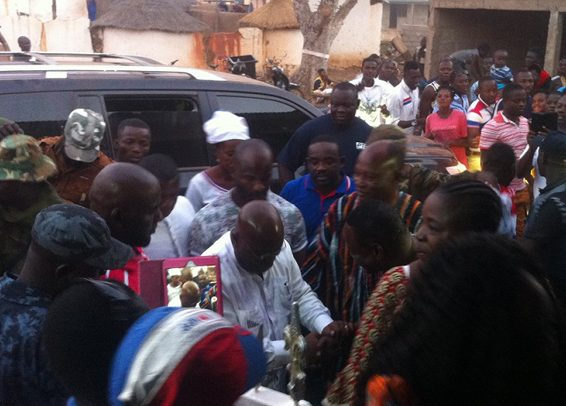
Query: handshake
(323,349)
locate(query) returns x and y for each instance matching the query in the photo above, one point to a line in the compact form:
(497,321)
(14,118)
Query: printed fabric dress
(384,301)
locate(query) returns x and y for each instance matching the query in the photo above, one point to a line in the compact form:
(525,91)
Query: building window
(396,11)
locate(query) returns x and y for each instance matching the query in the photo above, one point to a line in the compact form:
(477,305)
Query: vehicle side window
(271,120)
(175,123)
(40,115)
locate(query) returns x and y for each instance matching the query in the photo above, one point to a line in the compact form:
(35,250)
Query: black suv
(40,92)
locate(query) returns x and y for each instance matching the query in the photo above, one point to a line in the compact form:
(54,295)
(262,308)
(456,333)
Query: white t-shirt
(370,100)
(202,190)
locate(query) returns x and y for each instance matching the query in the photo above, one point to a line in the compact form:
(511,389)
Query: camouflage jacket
(15,230)
(73,179)
(25,378)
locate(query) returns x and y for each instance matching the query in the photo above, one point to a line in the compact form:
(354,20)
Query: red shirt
(543,78)
(129,275)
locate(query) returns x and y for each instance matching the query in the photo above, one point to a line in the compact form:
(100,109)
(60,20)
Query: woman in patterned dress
(455,208)
(473,330)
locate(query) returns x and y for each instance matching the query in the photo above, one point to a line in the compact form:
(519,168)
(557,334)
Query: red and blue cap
(177,356)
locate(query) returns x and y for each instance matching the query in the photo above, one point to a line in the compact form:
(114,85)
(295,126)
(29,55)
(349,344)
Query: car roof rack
(55,58)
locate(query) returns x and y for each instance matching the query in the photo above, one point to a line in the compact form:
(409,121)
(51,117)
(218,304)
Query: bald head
(377,169)
(190,294)
(253,162)
(258,236)
(248,150)
(127,197)
(383,151)
(261,220)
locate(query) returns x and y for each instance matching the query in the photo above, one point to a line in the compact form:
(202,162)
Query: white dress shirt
(251,300)
(403,105)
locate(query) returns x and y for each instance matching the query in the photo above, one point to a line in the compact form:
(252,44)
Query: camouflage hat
(83,132)
(78,235)
(21,159)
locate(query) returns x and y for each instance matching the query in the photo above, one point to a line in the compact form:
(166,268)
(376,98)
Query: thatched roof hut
(275,15)
(143,15)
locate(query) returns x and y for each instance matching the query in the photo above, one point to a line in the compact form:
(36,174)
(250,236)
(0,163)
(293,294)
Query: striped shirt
(501,75)
(403,105)
(479,113)
(340,283)
(460,102)
(501,129)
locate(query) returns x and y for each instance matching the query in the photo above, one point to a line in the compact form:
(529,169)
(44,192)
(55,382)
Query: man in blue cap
(67,242)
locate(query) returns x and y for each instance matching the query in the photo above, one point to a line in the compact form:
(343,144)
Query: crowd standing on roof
(415,286)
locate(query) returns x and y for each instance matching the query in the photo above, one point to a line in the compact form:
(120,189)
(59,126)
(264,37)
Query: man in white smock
(260,281)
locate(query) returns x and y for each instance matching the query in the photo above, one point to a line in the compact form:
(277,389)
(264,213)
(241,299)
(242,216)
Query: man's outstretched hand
(9,128)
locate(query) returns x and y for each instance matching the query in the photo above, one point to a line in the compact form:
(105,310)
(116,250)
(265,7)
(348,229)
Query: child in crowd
(551,101)
(539,102)
(498,170)
(499,71)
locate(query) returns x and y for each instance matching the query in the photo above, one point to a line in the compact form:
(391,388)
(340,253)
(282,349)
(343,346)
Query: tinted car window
(271,120)
(41,116)
(175,123)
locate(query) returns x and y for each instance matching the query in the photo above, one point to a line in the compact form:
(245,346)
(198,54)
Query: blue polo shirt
(312,204)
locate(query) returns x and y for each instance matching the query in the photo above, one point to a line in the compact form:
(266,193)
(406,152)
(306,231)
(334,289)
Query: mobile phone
(539,121)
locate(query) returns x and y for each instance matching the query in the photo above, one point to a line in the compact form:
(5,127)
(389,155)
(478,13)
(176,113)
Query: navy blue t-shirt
(351,139)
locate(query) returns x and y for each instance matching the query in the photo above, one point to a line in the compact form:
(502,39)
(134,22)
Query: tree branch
(343,11)
(303,12)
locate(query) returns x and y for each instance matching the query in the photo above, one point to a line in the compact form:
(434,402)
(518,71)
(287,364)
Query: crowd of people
(414,286)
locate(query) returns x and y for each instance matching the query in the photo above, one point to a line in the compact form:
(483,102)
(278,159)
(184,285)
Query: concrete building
(515,25)
(150,28)
(409,18)
(273,31)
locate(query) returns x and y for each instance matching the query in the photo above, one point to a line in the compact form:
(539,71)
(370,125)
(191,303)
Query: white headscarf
(225,126)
